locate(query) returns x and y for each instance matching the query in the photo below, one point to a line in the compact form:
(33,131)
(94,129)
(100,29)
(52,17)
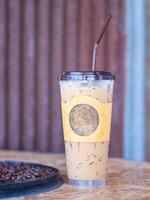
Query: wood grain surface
(125,179)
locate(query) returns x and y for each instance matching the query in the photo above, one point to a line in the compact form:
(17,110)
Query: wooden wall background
(148,85)
(38,40)
(136,133)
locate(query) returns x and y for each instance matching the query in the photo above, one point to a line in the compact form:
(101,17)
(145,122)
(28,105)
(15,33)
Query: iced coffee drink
(86,100)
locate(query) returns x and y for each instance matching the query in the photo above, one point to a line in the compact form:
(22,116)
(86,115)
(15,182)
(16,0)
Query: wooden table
(125,180)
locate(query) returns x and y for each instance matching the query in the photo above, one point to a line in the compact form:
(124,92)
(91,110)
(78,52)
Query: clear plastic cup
(86,101)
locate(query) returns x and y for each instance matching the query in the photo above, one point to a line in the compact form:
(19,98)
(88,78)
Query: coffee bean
(11,172)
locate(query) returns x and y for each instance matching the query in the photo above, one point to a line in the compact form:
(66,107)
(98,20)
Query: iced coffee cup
(86,101)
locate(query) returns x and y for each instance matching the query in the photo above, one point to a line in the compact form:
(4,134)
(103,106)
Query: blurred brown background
(38,40)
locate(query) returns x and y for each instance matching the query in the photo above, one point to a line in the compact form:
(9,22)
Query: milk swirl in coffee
(86,114)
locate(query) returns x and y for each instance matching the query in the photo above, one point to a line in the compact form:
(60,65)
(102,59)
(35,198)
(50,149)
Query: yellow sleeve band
(95,109)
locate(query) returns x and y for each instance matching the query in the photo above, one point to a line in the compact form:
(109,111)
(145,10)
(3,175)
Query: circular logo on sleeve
(84,119)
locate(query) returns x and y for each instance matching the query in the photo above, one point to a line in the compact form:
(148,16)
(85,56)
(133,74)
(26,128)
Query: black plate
(31,184)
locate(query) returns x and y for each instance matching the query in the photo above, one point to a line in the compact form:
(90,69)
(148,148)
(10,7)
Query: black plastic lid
(87,75)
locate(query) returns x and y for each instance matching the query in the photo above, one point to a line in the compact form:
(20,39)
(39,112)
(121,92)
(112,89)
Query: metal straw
(98,39)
